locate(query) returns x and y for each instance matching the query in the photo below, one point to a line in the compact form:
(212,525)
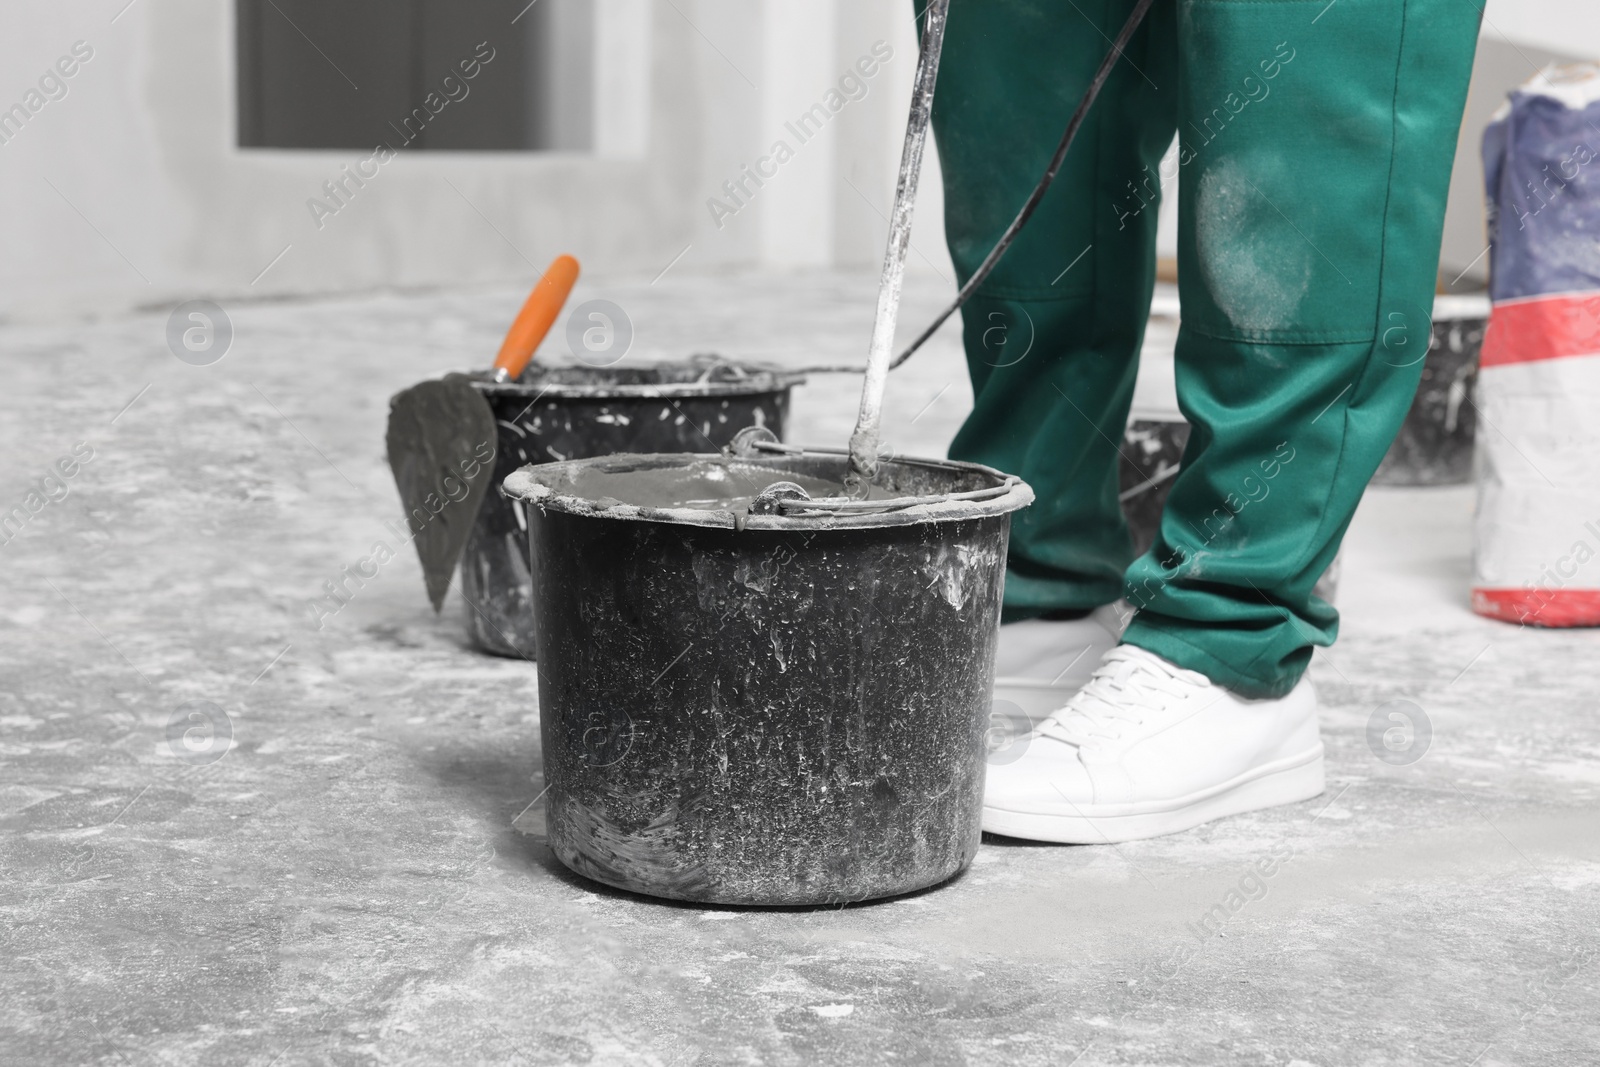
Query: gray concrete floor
(360,878)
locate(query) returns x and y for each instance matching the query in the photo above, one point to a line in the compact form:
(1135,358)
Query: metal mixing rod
(864,441)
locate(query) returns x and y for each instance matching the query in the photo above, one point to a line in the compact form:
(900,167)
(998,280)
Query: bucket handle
(827,505)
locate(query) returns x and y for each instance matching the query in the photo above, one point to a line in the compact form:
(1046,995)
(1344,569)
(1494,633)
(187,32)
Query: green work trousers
(1315,146)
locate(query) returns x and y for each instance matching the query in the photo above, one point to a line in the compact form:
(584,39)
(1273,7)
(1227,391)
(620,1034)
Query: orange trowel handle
(536,318)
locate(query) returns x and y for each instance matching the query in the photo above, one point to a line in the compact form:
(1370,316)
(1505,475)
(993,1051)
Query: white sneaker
(1039,664)
(1148,748)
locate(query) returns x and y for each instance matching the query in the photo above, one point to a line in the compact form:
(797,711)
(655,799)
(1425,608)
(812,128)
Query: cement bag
(1537,537)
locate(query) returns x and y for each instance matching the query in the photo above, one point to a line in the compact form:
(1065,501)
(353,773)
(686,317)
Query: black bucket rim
(760,378)
(1008,493)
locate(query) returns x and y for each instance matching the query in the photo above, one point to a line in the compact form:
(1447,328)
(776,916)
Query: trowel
(442,438)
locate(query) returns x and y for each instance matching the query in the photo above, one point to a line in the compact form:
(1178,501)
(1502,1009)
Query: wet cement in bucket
(716,483)
(764,708)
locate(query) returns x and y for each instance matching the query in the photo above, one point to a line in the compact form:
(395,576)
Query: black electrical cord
(999,249)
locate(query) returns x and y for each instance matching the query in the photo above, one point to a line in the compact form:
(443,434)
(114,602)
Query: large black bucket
(782,708)
(560,413)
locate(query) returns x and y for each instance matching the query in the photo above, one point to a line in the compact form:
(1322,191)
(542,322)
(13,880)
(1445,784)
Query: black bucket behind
(556,413)
(765,708)
(1435,443)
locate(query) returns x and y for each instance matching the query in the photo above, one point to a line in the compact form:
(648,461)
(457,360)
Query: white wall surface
(623,30)
(130,190)
(1571,27)
(797,68)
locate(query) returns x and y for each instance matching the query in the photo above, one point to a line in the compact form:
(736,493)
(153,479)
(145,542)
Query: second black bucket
(780,707)
(1435,443)
(557,413)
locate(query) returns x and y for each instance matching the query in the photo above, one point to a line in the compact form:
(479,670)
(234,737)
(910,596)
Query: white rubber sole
(1284,781)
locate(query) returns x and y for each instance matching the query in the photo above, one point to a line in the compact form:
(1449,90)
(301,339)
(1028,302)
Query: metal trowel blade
(441,444)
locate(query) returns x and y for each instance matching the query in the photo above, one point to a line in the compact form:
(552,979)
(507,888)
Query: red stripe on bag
(1544,327)
(1540,607)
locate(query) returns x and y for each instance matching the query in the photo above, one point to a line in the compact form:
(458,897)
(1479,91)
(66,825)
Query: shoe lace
(1129,687)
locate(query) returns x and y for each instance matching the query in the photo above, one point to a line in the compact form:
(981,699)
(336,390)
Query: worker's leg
(1317,144)
(1052,338)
